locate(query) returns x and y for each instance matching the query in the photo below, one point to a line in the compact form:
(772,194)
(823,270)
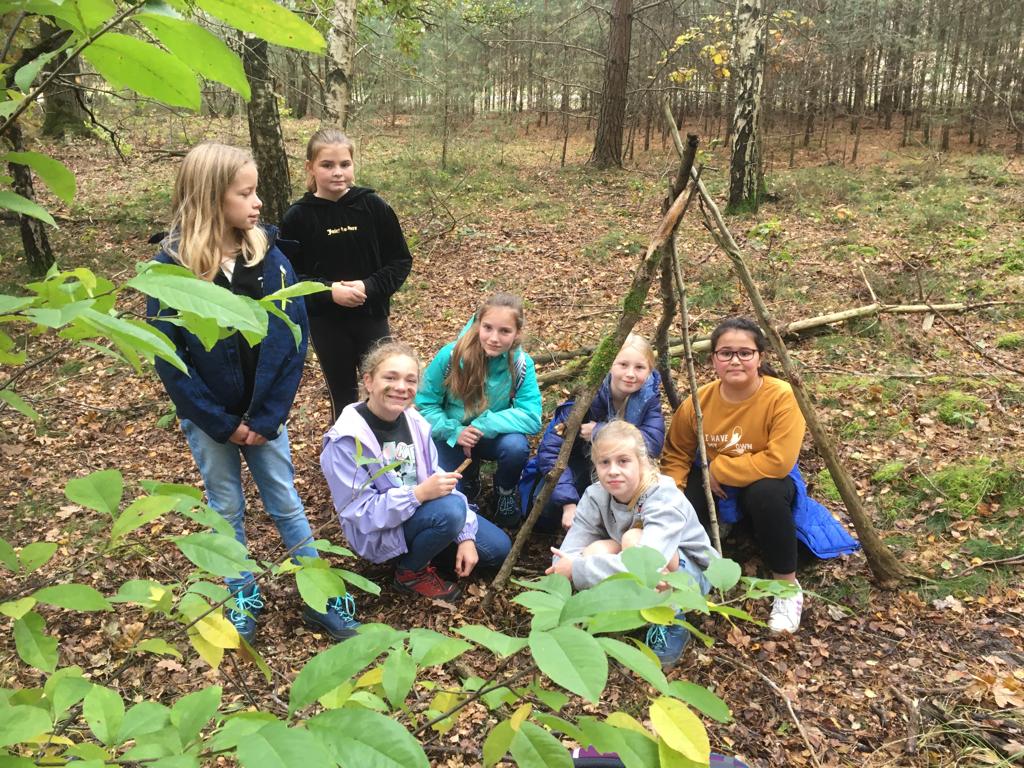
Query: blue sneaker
(506,509)
(248,604)
(339,621)
(667,642)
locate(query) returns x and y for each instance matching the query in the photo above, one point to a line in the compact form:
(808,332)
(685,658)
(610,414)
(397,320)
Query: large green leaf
(127,62)
(572,659)
(206,53)
(359,737)
(268,20)
(430,648)
(18,403)
(15,202)
(101,491)
(143,718)
(614,594)
(681,729)
(636,661)
(130,335)
(214,552)
(497,742)
(89,15)
(139,512)
(187,293)
(36,554)
(35,647)
(329,669)
(497,643)
(356,580)
(190,713)
(21,723)
(26,75)
(65,688)
(317,583)
(723,573)
(54,173)
(635,750)
(399,675)
(103,710)
(533,747)
(75,597)
(700,697)
(8,556)
(275,745)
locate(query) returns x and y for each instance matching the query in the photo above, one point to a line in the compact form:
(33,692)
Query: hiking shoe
(786,613)
(247,606)
(426,583)
(338,621)
(667,642)
(506,511)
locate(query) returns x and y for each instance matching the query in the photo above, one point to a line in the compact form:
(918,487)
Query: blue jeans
(510,450)
(220,465)
(693,570)
(432,530)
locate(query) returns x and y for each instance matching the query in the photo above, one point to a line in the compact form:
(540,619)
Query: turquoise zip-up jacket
(447,414)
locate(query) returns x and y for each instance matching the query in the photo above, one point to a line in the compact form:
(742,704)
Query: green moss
(1012,340)
(825,486)
(889,471)
(958,409)
(601,361)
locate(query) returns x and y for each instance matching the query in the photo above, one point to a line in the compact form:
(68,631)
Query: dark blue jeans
(510,451)
(432,529)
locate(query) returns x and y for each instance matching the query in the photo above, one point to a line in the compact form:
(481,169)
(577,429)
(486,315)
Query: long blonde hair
(618,432)
(467,379)
(323,138)
(204,178)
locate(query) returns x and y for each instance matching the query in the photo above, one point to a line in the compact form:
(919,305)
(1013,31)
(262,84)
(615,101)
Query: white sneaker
(786,613)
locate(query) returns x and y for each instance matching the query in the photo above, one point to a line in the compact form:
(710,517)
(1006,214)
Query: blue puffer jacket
(643,410)
(212,394)
(815,526)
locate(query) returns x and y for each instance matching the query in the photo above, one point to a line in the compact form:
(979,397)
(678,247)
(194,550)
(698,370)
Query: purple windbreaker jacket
(372,511)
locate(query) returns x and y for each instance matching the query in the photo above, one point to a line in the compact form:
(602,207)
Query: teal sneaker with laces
(506,510)
(247,603)
(338,621)
(668,642)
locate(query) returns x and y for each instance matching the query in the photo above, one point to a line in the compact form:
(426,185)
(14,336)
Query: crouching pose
(633,505)
(394,500)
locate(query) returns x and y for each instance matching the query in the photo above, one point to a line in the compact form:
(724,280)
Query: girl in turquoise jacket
(481,398)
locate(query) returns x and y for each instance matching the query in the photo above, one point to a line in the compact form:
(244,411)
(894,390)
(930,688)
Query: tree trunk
(746,165)
(607,151)
(62,108)
(341,47)
(265,131)
(34,240)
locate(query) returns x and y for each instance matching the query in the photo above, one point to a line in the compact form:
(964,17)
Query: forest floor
(928,416)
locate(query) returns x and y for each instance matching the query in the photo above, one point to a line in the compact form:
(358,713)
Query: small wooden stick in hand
(462,467)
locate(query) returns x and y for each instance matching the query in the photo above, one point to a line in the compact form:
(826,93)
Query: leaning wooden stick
(462,467)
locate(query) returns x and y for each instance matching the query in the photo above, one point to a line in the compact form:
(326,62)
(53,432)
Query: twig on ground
(973,345)
(913,721)
(782,695)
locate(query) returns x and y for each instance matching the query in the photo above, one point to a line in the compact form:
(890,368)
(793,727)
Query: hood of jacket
(602,408)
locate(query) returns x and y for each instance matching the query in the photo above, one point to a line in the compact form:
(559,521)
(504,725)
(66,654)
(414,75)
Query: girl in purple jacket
(393,499)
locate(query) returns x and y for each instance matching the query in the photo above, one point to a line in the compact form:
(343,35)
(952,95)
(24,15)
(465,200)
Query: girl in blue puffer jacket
(631,392)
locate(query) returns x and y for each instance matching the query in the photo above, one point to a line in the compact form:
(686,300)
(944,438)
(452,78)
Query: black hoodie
(358,237)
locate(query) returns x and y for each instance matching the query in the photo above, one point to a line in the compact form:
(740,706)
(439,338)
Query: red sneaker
(426,583)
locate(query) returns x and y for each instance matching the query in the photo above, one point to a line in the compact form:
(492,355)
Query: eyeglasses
(725,355)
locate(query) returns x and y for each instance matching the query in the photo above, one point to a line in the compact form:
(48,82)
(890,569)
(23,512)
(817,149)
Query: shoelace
(657,639)
(243,603)
(345,606)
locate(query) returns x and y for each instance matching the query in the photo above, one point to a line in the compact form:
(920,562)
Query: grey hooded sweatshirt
(669,523)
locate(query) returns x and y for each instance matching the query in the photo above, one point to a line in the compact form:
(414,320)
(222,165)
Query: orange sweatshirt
(746,442)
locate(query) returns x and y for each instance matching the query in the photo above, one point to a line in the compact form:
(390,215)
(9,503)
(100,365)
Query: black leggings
(768,505)
(340,343)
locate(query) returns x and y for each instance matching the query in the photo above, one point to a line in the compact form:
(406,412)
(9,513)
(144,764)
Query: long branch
(30,99)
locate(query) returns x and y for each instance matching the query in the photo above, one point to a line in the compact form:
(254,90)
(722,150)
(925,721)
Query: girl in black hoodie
(350,239)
